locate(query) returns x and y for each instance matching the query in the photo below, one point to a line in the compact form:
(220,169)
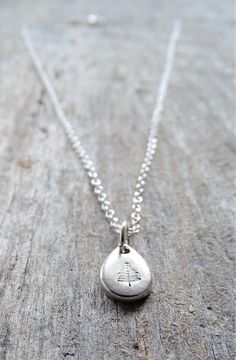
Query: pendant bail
(124,238)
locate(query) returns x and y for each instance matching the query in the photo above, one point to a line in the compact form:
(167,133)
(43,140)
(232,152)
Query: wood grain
(53,236)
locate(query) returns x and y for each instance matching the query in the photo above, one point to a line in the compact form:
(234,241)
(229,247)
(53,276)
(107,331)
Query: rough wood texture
(53,236)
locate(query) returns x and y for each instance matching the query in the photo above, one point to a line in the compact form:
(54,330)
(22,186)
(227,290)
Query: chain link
(88,165)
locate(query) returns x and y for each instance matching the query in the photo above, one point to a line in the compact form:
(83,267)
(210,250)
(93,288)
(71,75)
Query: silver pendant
(125,275)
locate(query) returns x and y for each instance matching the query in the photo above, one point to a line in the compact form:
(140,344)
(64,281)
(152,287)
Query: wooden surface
(53,235)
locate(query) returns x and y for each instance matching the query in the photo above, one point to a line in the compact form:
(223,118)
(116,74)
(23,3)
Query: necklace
(124,274)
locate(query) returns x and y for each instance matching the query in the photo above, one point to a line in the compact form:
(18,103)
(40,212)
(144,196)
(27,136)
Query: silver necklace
(124,274)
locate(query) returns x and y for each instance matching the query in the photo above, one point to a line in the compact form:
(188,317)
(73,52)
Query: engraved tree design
(128,274)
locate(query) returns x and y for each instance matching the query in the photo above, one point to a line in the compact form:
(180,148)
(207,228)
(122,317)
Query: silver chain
(95,181)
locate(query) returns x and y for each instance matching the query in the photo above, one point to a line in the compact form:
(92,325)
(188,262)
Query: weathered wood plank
(54,238)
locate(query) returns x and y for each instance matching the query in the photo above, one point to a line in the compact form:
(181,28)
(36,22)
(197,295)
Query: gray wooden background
(53,235)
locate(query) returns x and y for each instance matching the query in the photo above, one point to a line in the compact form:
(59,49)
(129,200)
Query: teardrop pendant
(125,275)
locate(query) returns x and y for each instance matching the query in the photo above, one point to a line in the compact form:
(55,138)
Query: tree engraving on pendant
(128,274)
